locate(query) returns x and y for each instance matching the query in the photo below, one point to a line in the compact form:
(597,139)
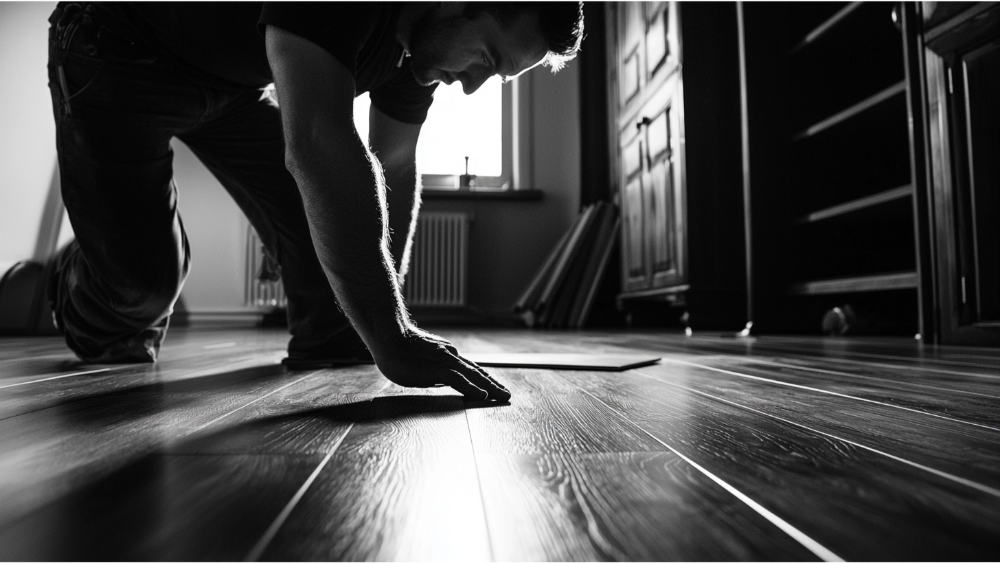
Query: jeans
(117,103)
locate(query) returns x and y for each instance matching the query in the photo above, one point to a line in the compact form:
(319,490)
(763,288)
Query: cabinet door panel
(666,208)
(633,25)
(656,42)
(661,226)
(634,270)
(630,78)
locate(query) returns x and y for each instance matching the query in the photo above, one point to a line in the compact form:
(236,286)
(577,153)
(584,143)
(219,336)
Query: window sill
(482,193)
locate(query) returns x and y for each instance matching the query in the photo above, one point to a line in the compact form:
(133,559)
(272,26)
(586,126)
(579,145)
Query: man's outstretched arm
(395,145)
(344,195)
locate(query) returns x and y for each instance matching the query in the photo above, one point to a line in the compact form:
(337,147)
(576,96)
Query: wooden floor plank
(630,506)
(49,452)
(402,486)
(308,418)
(162,507)
(856,503)
(933,400)
(903,353)
(966,451)
(98,380)
(544,486)
(547,414)
(945,385)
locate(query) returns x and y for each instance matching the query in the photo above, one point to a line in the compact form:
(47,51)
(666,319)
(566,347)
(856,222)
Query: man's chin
(426,77)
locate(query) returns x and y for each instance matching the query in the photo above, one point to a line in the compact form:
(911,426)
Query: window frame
(505,180)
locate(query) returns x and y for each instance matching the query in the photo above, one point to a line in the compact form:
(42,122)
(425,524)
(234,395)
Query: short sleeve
(403,99)
(341,28)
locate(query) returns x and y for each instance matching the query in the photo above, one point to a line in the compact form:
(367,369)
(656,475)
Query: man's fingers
(478,377)
(459,383)
(482,372)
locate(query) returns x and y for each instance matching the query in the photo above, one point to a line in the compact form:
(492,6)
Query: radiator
(439,261)
(258,293)
(438,275)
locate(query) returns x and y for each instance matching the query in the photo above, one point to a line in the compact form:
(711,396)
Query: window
(477,126)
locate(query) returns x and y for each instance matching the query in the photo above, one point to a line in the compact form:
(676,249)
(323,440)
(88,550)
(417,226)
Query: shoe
(53,273)
(349,353)
(317,362)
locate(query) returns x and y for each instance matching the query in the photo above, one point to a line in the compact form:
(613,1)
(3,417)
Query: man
(127,78)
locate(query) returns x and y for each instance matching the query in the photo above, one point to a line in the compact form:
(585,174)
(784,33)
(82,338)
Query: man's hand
(427,360)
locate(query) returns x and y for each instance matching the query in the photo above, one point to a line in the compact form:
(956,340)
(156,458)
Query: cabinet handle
(643,121)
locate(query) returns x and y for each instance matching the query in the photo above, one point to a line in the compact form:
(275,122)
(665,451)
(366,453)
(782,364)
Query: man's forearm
(344,197)
(403,200)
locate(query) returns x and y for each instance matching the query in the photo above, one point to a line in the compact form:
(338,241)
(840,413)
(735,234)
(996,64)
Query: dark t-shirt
(226,41)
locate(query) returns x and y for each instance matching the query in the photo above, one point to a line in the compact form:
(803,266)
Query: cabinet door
(634,265)
(663,185)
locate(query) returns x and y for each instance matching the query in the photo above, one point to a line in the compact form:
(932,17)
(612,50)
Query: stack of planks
(563,291)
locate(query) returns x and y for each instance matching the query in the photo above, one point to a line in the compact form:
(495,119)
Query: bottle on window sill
(466,181)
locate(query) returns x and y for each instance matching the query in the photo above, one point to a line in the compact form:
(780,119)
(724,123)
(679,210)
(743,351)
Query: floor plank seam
(262,397)
(479,482)
(770,348)
(867,377)
(59,377)
(955,478)
(258,549)
(812,545)
(834,393)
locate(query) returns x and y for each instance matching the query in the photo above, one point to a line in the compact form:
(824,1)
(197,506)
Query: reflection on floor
(770,448)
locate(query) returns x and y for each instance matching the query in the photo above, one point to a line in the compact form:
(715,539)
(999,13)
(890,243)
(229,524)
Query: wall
(27,134)
(216,231)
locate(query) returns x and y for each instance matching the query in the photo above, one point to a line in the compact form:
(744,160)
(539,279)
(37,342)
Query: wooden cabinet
(962,57)
(682,229)
(780,162)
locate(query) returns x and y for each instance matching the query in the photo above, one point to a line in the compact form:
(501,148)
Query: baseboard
(221,317)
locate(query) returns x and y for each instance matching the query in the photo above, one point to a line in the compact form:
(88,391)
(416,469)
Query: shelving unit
(831,166)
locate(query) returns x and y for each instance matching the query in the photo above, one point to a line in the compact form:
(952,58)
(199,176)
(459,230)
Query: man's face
(450,47)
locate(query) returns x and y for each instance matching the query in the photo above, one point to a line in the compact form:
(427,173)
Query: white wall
(216,230)
(27,133)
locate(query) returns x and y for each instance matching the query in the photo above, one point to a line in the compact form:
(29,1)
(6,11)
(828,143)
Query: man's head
(470,42)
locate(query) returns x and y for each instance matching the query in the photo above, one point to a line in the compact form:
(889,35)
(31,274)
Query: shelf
(857,108)
(899,280)
(858,204)
(826,26)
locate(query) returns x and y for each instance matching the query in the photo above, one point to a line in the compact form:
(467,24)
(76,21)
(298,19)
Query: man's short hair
(560,23)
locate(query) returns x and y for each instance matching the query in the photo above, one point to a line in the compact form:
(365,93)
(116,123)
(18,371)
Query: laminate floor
(769,448)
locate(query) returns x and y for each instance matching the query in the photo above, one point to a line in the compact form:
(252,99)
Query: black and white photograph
(499,281)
